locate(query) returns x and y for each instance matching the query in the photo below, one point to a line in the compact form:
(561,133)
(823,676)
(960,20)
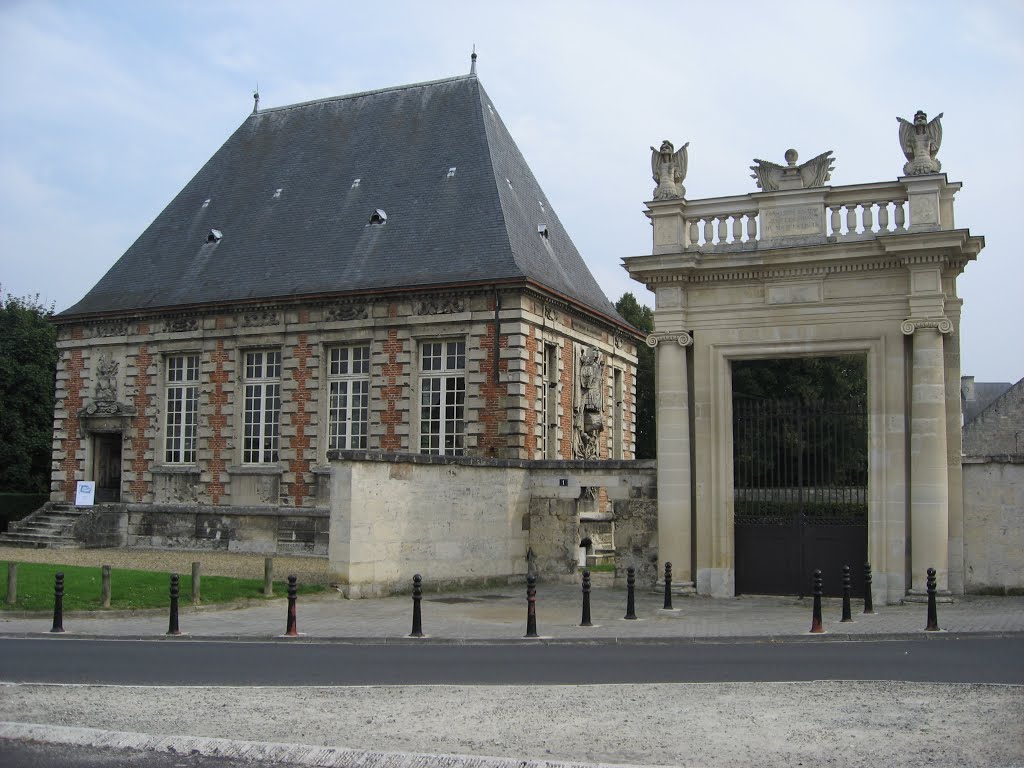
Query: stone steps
(48,527)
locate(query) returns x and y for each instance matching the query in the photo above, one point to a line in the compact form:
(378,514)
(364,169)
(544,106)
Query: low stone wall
(460,520)
(994,524)
(265,530)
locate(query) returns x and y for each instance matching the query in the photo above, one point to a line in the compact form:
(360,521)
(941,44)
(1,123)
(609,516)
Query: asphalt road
(947,659)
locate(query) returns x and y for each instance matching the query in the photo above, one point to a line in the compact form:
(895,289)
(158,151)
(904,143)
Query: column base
(941,596)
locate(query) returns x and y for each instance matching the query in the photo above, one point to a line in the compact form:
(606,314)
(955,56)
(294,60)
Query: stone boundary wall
(994,524)
(270,530)
(468,520)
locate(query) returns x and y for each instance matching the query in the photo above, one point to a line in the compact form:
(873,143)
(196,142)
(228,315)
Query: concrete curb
(292,754)
(608,640)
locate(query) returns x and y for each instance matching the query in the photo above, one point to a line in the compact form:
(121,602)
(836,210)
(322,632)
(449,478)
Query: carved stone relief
(114,328)
(441,305)
(181,325)
(341,312)
(588,404)
(257,319)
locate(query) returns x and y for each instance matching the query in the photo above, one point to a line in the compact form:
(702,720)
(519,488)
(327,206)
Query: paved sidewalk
(499,614)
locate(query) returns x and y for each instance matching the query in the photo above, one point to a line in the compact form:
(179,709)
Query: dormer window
(215,236)
(378,217)
(542,230)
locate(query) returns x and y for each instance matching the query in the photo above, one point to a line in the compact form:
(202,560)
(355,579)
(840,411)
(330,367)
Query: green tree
(646,431)
(28,364)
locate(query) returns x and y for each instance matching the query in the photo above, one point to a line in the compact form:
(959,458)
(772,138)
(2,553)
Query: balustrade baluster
(868,217)
(723,230)
(901,218)
(709,231)
(737,228)
(752,227)
(837,227)
(694,232)
(851,219)
(883,217)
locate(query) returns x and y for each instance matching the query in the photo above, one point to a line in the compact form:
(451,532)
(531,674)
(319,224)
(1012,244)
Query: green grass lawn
(128,589)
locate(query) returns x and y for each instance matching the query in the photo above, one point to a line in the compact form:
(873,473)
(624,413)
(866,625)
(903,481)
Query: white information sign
(85,493)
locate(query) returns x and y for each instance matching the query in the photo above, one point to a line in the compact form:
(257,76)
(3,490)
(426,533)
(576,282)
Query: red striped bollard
(172,625)
(816,627)
(292,630)
(58,603)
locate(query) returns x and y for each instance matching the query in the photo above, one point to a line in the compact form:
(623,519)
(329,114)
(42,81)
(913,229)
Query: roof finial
(256,99)
(472,60)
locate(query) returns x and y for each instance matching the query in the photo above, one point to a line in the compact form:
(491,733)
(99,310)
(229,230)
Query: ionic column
(672,401)
(929,475)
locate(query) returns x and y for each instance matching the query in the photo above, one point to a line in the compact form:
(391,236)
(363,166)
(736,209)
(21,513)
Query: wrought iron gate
(800,485)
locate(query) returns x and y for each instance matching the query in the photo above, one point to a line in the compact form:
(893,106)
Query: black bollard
(172,626)
(58,603)
(847,617)
(933,615)
(668,587)
(417,596)
(816,627)
(868,607)
(531,606)
(585,621)
(292,630)
(630,589)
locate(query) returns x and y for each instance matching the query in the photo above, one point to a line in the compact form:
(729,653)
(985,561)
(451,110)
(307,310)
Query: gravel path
(711,725)
(310,570)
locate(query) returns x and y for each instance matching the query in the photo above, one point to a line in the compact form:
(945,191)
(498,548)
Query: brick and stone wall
(502,396)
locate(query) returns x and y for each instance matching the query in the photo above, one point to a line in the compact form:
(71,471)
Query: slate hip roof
(292,221)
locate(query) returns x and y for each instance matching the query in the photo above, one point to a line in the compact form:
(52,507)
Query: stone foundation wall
(994,524)
(458,520)
(271,531)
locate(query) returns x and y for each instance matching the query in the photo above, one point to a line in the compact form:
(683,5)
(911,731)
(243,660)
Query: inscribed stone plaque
(794,293)
(792,221)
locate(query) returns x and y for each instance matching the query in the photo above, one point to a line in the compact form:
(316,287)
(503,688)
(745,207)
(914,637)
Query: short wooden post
(197,575)
(12,583)
(104,586)
(268,577)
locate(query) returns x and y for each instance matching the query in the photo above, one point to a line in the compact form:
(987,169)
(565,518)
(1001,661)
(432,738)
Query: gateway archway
(804,269)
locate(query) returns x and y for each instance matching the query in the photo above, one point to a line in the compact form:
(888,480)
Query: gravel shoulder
(710,725)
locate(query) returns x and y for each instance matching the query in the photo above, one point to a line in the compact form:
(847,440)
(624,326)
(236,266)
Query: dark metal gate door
(800,490)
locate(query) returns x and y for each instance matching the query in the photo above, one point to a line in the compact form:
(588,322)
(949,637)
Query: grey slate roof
(314,238)
(985,393)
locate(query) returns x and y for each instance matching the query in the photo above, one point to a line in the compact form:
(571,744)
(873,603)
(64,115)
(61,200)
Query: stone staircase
(48,527)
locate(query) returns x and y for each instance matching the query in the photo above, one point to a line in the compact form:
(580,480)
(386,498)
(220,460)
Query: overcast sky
(109,108)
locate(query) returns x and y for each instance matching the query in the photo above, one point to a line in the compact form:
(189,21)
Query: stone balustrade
(806,216)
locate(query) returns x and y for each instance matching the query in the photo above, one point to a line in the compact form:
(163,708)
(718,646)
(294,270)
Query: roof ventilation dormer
(378,217)
(215,236)
(355,183)
(542,230)
(451,172)
(277,193)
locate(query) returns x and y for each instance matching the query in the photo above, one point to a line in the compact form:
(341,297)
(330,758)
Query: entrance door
(106,466)
(800,490)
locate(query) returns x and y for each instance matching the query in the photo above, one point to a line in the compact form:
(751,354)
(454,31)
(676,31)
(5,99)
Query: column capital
(911,324)
(681,337)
